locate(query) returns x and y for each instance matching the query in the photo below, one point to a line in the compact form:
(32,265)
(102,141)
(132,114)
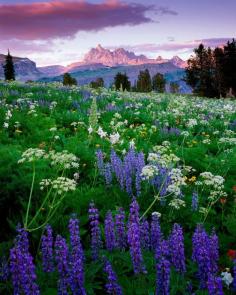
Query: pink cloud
(177,46)
(62,19)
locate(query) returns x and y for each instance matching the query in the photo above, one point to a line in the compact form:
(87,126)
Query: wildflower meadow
(112,192)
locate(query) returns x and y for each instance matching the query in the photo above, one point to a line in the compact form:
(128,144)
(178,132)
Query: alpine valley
(102,62)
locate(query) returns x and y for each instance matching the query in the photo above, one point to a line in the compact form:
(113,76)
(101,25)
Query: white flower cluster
(163,155)
(32,110)
(53,105)
(31,155)
(63,159)
(177,203)
(155,213)
(191,123)
(8,116)
(185,133)
(228,140)
(215,183)
(227,278)
(177,180)
(60,184)
(149,171)
(114,138)
(101,132)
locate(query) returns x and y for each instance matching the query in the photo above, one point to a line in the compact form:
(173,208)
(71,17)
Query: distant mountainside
(25,69)
(100,57)
(85,76)
(100,62)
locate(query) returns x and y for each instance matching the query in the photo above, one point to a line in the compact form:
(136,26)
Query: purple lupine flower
(145,234)
(189,288)
(62,261)
(214,251)
(234,272)
(108,174)
(176,241)
(156,235)
(121,239)
(47,250)
(214,285)
(205,254)
(128,178)
(112,285)
(163,277)
(22,240)
(76,259)
(163,250)
(140,163)
(194,201)
(4,270)
(22,267)
(96,242)
(100,162)
(117,167)
(134,239)
(110,232)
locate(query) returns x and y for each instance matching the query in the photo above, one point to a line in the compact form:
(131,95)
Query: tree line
(212,72)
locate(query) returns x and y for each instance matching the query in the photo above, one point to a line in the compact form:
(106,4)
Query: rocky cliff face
(96,59)
(25,69)
(120,56)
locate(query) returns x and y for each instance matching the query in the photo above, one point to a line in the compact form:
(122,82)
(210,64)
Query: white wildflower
(114,138)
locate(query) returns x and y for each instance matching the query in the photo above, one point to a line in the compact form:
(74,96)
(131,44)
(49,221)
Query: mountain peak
(177,61)
(99,47)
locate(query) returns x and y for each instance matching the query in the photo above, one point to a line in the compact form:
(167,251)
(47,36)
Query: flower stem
(30,197)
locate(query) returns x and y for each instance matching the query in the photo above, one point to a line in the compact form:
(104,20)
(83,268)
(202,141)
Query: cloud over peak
(63,19)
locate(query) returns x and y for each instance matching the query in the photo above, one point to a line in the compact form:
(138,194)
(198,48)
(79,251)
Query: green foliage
(68,80)
(60,120)
(122,82)
(93,116)
(99,82)
(174,87)
(159,83)
(212,73)
(9,71)
(144,82)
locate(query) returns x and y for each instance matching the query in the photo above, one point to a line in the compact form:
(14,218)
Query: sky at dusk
(62,31)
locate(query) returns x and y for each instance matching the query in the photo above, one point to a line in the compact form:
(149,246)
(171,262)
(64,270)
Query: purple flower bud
(108,174)
(214,285)
(96,242)
(195,201)
(110,232)
(62,261)
(4,269)
(145,234)
(205,254)
(176,241)
(134,239)
(47,250)
(112,285)
(234,271)
(121,239)
(163,277)
(156,235)
(22,267)
(76,259)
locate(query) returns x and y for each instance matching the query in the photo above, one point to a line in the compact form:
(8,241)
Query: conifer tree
(174,87)
(68,80)
(144,82)
(159,83)
(9,71)
(122,82)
